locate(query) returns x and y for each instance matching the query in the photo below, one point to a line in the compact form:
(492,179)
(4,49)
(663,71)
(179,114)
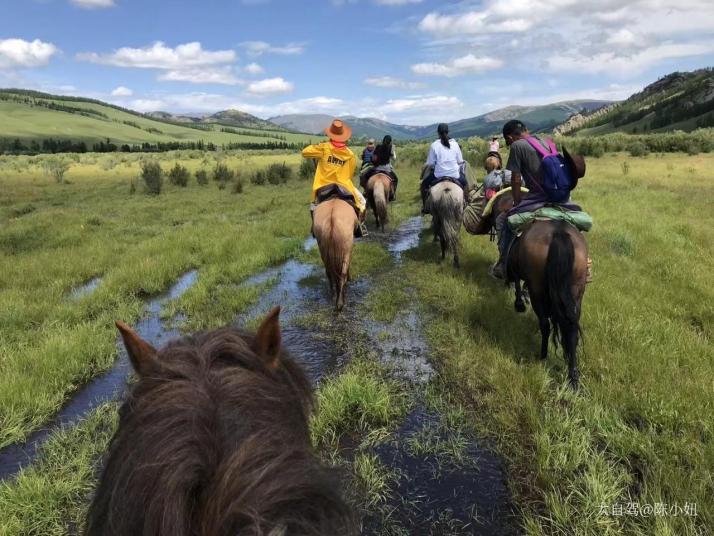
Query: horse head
(214,439)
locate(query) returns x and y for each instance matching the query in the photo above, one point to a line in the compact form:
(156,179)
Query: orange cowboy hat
(338,131)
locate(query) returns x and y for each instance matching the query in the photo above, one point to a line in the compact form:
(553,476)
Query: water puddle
(436,495)
(105,388)
(85,289)
(405,237)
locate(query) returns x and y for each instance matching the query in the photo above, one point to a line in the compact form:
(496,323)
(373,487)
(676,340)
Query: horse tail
(447,208)
(335,238)
(380,202)
(559,286)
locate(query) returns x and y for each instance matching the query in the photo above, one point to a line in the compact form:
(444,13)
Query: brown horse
(213,440)
(333,227)
(378,192)
(551,258)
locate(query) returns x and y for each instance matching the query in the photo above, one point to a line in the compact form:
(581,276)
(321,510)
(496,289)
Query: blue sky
(407,61)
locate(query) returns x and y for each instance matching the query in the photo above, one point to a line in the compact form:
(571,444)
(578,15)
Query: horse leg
(457,264)
(519,304)
(341,288)
(442,241)
(544,323)
(570,344)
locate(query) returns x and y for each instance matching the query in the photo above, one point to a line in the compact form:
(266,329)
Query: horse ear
(141,353)
(268,340)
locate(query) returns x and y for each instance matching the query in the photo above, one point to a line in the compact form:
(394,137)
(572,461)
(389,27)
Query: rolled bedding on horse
(579,219)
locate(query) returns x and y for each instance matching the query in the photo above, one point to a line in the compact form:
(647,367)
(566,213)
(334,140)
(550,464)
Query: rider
(494,146)
(524,163)
(446,161)
(336,165)
(382,159)
(367,153)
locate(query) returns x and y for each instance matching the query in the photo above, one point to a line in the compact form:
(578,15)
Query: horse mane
(213,440)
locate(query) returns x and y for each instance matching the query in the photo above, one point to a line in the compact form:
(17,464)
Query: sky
(406,61)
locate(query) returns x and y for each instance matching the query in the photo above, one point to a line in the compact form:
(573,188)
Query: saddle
(335,191)
(445,179)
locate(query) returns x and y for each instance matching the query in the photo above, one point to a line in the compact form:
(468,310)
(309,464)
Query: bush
(259,177)
(237,187)
(202,177)
(222,175)
(638,149)
(307,168)
(179,175)
(279,173)
(56,168)
(153,176)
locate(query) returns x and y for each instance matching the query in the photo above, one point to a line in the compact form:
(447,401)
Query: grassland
(639,432)
(100,122)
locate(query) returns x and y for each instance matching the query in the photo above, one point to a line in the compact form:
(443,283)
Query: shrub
(638,149)
(237,186)
(56,168)
(202,177)
(153,176)
(259,177)
(307,168)
(179,175)
(221,174)
(279,173)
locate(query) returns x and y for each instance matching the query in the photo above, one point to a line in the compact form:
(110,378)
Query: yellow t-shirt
(335,165)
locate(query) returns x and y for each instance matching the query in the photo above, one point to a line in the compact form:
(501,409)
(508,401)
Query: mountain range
(536,117)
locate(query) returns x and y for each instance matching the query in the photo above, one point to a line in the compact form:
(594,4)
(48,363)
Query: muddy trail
(431,494)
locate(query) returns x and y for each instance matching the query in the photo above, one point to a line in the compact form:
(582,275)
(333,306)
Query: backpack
(367,156)
(557,179)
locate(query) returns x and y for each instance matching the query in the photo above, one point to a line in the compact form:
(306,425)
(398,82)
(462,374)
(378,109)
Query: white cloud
(270,86)
(203,75)
(159,56)
(93,4)
(253,68)
(18,53)
(421,103)
(189,62)
(390,82)
(592,36)
(627,64)
(122,91)
(148,105)
(457,67)
(258,48)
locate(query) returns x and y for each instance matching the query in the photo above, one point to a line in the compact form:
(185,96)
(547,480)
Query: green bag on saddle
(581,220)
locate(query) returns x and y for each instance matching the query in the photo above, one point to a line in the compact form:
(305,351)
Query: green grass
(640,430)
(27,122)
(50,498)
(138,245)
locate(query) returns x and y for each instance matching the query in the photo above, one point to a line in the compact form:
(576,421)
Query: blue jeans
(505,236)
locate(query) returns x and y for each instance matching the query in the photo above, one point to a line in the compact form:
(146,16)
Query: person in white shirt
(446,162)
(495,146)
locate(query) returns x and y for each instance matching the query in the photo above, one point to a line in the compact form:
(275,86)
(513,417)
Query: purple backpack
(557,180)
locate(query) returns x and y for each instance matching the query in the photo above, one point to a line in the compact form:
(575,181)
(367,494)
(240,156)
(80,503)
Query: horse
(551,257)
(333,226)
(378,191)
(446,205)
(214,439)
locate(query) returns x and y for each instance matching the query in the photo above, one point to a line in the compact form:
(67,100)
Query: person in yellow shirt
(336,165)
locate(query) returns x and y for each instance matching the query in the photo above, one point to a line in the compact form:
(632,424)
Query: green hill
(30,116)
(678,101)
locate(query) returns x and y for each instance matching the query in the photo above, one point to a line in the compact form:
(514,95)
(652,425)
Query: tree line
(52,146)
